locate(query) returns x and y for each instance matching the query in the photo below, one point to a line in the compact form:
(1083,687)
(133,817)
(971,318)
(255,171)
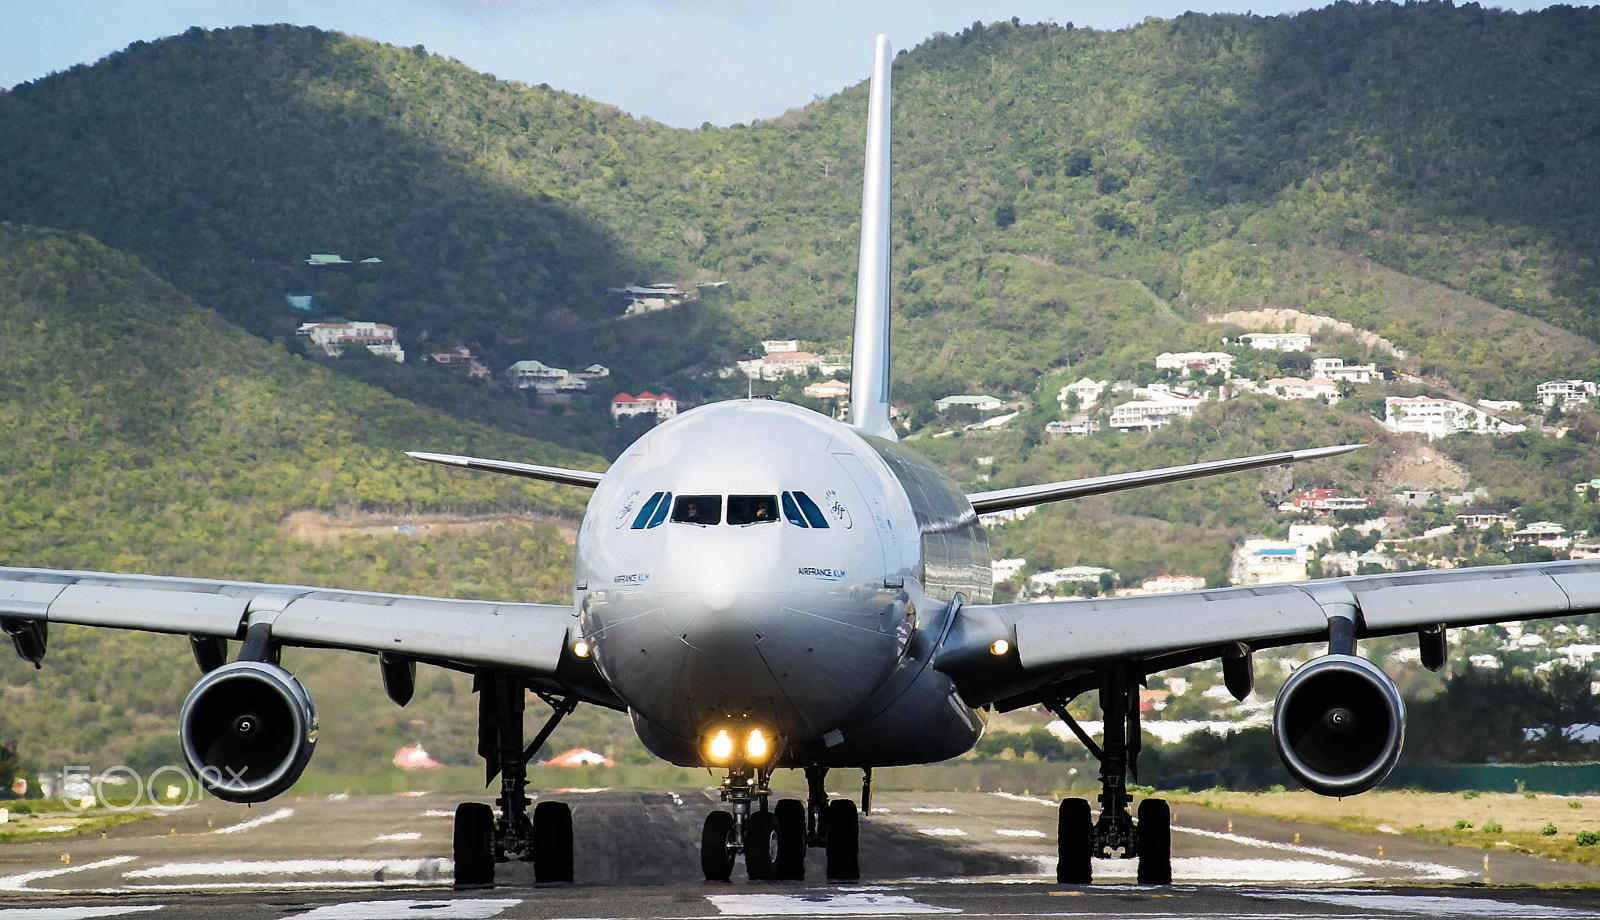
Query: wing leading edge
(1055,640)
(530,639)
(1021,496)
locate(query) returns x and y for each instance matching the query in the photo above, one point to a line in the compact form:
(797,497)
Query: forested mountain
(1066,202)
(1189,166)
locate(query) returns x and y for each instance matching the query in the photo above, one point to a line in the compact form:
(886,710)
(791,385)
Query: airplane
(761,587)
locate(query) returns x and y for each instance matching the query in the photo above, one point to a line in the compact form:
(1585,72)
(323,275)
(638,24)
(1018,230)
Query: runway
(972,854)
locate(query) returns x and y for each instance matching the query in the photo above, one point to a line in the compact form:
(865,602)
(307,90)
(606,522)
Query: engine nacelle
(248,729)
(1339,725)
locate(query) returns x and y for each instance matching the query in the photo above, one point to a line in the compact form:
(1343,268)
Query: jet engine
(1339,725)
(248,729)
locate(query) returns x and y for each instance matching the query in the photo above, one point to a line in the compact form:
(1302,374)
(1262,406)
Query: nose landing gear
(774,841)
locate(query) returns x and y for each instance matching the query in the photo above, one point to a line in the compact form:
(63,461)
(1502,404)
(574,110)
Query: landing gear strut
(481,839)
(1116,835)
(774,841)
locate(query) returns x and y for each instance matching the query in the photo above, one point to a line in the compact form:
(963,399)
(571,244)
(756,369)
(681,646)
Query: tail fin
(869,361)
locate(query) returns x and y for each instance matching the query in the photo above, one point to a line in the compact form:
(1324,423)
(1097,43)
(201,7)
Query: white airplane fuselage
(809,609)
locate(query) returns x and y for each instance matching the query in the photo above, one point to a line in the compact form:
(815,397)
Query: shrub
(1492,827)
(1574,804)
(1463,825)
(1276,787)
(1588,838)
(1471,794)
(1549,830)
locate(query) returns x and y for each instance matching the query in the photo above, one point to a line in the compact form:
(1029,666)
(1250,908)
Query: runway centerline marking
(20,882)
(459,909)
(254,823)
(404,835)
(1433,905)
(856,904)
(942,831)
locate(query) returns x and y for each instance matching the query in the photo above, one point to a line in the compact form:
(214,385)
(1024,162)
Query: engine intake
(1339,725)
(248,730)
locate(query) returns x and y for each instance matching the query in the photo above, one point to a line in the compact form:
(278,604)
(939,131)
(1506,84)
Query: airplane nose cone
(718,595)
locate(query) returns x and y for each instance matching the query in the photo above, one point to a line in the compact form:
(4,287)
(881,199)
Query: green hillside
(145,434)
(1451,146)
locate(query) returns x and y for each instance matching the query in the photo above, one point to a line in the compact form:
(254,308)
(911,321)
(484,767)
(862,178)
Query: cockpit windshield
(801,511)
(752,509)
(705,510)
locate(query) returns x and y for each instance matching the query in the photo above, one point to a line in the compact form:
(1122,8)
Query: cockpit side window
(812,513)
(705,510)
(752,509)
(791,511)
(643,520)
(661,511)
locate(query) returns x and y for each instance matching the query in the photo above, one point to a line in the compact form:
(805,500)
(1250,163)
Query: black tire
(1155,842)
(844,832)
(1075,843)
(791,818)
(552,842)
(473,846)
(716,847)
(761,846)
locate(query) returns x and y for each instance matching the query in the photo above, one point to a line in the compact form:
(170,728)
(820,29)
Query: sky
(680,62)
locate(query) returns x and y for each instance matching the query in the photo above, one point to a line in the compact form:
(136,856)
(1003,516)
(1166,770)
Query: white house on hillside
(1561,392)
(334,338)
(1336,369)
(1209,362)
(1088,392)
(1439,417)
(1277,341)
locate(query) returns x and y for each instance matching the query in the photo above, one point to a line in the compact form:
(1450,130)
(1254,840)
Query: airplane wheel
(760,846)
(791,818)
(552,842)
(716,847)
(473,848)
(1155,842)
(843,840)
(1074,836)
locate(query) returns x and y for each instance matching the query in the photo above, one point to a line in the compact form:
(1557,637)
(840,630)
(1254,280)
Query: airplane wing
(533,640)
(586,478)
(1054,642)
(1022,496)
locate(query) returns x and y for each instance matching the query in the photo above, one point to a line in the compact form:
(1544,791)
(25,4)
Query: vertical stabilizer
(869,360)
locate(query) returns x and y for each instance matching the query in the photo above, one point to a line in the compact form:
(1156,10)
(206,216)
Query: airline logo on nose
(830,574)
(635,578)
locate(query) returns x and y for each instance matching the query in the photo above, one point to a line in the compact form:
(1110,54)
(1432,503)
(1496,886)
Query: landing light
(721,747)
(1000,647)
(581,648)
(756,745)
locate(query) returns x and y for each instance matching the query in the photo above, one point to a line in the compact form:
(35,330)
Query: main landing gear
(481,839)
(1117,835)
(774,841)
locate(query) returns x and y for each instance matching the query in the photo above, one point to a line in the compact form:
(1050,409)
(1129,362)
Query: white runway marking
(1018,832)
(461,909)
(407,835)
(69,913)
(1217,869)
(20,882)
(438,813)
(1430,871)
(1432,905)
(862,904)
(942,831)
(934,811)
(1035,799)
(254,823)
(388,868)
